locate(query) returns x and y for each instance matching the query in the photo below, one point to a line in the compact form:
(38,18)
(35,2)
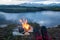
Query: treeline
(18,9)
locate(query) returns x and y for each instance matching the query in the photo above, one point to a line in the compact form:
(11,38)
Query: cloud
(8,2)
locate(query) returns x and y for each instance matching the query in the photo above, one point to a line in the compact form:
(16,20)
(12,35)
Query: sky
(24,1)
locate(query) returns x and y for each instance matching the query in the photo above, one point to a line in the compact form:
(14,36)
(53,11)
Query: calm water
(47,18)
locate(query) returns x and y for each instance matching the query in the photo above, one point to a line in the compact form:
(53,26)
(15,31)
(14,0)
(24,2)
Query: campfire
(27,28)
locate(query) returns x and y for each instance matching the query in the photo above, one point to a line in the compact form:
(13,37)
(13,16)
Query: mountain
(39,4)
(54,4)
(9,6)
(29,7)
(32,5)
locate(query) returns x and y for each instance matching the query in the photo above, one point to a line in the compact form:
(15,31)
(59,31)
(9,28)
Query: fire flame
(25,24)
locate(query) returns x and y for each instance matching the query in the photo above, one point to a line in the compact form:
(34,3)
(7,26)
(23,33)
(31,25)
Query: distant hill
(29,7)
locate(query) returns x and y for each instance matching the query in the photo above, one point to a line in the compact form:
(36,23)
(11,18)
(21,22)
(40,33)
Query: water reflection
(47,18)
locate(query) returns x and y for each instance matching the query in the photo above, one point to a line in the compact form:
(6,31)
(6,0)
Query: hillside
(55,32)
(29,8)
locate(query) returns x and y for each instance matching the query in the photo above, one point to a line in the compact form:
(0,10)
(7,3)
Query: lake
(47,18)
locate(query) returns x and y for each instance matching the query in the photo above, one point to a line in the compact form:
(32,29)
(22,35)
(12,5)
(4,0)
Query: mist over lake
(47,18)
